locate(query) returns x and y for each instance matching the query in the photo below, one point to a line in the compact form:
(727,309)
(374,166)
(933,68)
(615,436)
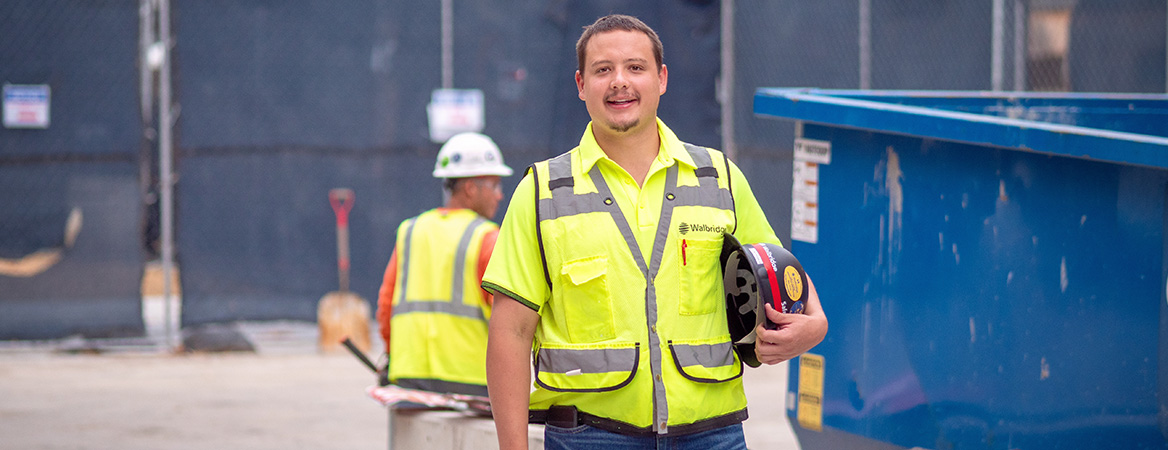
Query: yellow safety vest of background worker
(432,312)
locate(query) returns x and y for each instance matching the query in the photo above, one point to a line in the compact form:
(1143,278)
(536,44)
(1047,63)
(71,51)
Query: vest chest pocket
(701,276)
(585,299)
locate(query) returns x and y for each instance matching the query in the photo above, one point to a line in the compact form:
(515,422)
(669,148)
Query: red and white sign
(453,111)
(26,105)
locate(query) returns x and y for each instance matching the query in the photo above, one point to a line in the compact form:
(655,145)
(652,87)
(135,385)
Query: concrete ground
(80,395)
(285,395)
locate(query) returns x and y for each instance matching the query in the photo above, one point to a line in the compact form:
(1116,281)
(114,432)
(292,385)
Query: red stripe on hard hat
(771,275)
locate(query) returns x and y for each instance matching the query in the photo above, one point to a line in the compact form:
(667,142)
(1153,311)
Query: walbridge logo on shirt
(684,228)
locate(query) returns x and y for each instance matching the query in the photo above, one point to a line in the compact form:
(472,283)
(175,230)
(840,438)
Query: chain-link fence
(279,101)
(1010,45)
(70,215)
(282,101)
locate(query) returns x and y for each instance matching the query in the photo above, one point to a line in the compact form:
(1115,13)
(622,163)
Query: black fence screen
(71,250)
(282,101)
(279,101)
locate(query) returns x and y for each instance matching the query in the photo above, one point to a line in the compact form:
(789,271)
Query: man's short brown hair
(617,22)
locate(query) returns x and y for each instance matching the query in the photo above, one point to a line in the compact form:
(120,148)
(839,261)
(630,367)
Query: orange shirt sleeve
(488,246)
(385,298)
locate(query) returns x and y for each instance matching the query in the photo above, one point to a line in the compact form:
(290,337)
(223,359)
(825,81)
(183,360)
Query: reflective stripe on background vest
(589,343)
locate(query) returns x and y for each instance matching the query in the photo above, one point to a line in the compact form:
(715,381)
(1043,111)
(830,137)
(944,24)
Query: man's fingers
(776,316)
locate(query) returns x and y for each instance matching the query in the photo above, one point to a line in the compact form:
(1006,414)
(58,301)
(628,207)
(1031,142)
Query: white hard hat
(469,155)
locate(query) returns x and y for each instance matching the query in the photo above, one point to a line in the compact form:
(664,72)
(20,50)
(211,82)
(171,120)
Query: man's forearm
(508,371)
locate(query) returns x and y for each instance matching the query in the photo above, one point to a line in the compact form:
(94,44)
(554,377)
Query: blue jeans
(585,437)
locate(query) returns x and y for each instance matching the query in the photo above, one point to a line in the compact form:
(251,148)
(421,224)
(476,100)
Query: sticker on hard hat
(793,282)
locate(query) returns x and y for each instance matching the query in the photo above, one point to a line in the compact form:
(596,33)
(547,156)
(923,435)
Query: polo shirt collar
(672,149)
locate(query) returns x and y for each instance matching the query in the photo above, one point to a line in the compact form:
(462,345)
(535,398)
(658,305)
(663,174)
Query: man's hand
(797,333)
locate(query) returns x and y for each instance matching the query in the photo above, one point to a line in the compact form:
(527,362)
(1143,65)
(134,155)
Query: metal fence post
(865,44)
(726,96)
(1019,46)
(998,51)
(165,155)
(447,44)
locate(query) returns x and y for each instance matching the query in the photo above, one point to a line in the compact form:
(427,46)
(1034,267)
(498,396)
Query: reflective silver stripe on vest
(455,305)
(701,196)
(564,204)
(709,356)
(604,360)
(649,271)
(460,260)
(570,205)
(439,306)
(405,262)
(707,192)
(702,164)
(560,167)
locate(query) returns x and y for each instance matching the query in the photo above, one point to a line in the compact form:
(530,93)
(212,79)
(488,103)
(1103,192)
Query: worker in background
(608,259)
(432,312)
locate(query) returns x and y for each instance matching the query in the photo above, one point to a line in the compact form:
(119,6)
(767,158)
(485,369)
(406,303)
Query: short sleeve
(753,226)
(516,266)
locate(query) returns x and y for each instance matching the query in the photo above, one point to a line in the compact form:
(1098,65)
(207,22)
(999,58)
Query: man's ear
(579,85)
(664,76)
(466,184)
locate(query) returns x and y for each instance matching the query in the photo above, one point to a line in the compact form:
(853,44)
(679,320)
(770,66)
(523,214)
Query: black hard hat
(754,275)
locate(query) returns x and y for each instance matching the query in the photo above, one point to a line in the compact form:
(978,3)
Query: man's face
(620,83)
(485,193)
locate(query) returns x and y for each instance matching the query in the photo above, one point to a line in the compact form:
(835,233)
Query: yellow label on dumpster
(809,413)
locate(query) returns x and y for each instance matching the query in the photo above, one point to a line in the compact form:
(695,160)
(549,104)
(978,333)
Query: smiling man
(608,262)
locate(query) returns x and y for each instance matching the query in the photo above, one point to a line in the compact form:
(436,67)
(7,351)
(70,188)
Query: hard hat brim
(502,171)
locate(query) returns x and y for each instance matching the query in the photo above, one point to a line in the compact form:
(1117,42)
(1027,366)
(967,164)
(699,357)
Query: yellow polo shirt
(516,269)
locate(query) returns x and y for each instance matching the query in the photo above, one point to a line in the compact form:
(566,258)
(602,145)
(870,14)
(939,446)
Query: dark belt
(566,416)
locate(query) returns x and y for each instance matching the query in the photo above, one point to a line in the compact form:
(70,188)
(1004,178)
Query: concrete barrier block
(449,430)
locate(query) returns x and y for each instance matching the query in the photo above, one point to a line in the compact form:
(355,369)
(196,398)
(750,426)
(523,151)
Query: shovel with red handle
(342,202)
(343,314)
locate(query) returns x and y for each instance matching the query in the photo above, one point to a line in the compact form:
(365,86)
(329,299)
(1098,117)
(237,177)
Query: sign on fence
(453,111)
(26,105)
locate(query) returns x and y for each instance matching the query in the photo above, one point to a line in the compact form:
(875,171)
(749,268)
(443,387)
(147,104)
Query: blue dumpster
(992,265)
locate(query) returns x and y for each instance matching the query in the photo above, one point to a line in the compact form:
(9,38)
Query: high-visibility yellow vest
(637,346)
(438,329)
